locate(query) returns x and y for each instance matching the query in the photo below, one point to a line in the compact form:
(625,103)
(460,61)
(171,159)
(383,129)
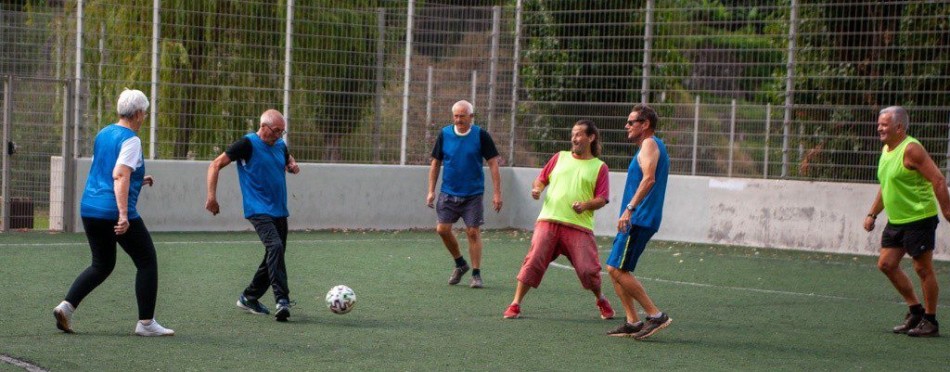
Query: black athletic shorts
(915,237)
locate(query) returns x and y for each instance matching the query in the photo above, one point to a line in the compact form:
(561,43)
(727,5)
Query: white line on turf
(756,257)
(21,363)
(745,289)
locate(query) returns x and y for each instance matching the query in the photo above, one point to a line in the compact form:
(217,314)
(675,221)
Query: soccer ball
(341,299)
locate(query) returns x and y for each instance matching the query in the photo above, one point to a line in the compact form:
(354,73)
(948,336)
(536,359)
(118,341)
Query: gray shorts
(449,208)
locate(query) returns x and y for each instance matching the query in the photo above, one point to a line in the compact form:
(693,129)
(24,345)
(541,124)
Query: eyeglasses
(275,131)
(634,122)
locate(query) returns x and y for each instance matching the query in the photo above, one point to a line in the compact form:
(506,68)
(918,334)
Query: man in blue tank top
(460,149)
(640,216)
(262,160)
(109,217)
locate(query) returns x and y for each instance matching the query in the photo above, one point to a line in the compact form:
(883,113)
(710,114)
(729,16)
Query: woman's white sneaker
(64,315)
(152,329)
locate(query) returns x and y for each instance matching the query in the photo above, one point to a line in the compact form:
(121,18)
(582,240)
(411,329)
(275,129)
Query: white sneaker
(152,329)
(64,315)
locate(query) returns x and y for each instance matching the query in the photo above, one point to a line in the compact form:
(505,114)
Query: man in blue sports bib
(640,216)
(262,159)
(460,149)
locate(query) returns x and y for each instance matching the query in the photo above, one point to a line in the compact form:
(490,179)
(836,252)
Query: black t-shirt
(488,149)
(242,149)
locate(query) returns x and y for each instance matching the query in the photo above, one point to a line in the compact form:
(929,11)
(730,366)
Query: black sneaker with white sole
(252,306)
(626,330)
(652,326)
(283,310)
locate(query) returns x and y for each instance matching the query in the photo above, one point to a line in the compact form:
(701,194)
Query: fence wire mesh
(746,88)
(34,136)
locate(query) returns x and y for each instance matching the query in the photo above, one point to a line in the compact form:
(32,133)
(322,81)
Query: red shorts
(552,239)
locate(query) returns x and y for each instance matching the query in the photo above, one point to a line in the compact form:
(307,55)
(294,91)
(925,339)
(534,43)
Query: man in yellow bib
(577,185)
(911,187)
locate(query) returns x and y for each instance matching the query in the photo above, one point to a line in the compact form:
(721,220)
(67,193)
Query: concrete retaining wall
(813,216)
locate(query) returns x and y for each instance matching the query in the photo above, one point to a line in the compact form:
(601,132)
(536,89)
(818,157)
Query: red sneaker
(514,311)
(606,312)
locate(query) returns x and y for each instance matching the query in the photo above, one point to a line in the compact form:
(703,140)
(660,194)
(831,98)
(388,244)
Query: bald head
(273,126)
(273,118)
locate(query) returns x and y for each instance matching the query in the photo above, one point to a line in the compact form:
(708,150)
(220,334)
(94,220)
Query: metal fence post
(99,79)
(7,107)
(69,164)
(789,84)
(77,106)
(380,75)
(59,50)
(695,134)
(493,71)
(288,56)
(947,175)
(153,95)
(405,83)
(474,86)
(732,135)
(428,101)
(768,131)
(647,49)
(514,85)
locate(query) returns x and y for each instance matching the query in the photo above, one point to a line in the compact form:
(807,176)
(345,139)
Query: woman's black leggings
(137,243)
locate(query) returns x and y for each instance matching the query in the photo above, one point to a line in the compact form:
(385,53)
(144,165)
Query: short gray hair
(131,101)
(899,114)
(271,117)
(466,104)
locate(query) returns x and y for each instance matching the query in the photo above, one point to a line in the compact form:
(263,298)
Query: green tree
(580,55)
(222,64)
(858,59)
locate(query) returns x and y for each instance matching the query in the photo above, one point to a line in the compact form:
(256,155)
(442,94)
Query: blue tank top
(262,178)
(649,212)
(98,198)
(462,160)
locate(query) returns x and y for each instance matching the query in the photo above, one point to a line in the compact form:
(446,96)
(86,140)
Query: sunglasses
(634,122)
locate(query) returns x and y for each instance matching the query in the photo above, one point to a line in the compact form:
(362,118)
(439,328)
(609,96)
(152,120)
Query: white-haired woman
(109,217)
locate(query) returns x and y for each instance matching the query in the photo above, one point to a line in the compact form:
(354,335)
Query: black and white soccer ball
(341,299)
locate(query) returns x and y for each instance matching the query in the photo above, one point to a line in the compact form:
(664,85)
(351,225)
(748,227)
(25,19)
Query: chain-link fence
(745,88)
(34,115)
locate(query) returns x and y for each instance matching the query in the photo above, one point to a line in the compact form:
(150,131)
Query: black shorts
(914,237)
(450,208)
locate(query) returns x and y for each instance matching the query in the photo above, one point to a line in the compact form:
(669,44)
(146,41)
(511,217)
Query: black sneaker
(252,306)
(924,329)
(910,322)
(283,310)
(626,330)
(457,273)
(653,325)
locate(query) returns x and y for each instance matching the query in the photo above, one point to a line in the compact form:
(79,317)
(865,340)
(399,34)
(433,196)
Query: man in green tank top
(911,188)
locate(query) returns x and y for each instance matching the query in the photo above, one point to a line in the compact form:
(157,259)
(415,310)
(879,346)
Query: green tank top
(906,194)
(571,180)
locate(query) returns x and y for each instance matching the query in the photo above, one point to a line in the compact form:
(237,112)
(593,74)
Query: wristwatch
(631,208)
